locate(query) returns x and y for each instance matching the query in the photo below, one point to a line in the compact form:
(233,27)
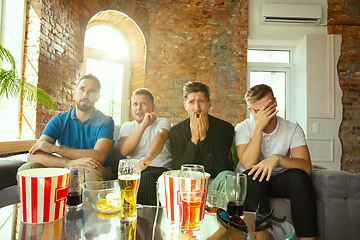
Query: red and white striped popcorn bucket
(42,193)
(169,191)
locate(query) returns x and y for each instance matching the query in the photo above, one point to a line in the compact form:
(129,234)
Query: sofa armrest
(8,169)
(339,193)
(9,195)
(335,184)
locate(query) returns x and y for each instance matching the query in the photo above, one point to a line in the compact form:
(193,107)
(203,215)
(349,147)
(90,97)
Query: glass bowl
(103,196)
(215,200)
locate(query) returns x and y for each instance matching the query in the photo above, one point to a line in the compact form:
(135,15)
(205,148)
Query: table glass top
(87,224)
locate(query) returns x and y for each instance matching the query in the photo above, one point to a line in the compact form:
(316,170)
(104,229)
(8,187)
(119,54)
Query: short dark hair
(257,92)
(194,87)
(144,91)
(93,77)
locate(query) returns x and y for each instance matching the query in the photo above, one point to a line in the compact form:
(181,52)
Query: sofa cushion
(9,195)
(8,169)
(115,153)
(339,192)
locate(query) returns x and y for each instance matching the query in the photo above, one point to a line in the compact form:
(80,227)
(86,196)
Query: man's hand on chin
(149,119)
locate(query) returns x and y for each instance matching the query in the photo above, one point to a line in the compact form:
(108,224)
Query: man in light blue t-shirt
(84,136)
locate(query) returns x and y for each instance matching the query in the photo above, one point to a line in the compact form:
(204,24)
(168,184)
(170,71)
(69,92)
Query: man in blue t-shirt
(84,136)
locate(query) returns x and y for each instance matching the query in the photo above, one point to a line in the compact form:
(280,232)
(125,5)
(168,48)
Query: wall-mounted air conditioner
(291,14)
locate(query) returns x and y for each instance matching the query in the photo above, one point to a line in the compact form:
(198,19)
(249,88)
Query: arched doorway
(114,51)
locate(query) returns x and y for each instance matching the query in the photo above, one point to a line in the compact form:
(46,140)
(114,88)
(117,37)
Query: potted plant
(11,85)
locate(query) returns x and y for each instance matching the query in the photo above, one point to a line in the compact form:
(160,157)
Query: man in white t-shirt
(144,139)
(273,153)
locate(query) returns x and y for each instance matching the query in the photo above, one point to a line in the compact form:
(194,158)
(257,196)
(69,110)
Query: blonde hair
(144,91)
(257,92)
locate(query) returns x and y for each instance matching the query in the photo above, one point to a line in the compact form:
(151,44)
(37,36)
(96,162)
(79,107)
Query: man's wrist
(143,125)
(147,158)
(66,162)
(195,140)
(279,158)
(57,149)
(258,129)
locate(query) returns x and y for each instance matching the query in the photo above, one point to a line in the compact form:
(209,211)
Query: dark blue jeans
(295,184)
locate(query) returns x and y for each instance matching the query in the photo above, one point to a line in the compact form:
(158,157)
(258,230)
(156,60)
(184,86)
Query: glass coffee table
(87,224)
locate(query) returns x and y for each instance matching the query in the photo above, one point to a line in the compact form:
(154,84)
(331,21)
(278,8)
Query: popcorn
(109,204)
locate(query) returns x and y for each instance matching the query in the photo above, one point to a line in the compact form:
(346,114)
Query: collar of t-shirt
(276,130)
(73,116)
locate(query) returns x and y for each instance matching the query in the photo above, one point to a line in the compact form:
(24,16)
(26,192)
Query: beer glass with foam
(129,179)
(192,179)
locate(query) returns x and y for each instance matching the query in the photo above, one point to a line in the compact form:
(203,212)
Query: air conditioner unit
(291,14)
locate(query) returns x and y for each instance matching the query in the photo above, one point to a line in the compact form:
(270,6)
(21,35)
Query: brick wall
(198,40)
(28,119)
(54,50)
(53,34)
(204,40)
(344,19)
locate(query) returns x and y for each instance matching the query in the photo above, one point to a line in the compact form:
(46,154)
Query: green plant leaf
(11,85)
(6,54)
(8,83)
(32,93)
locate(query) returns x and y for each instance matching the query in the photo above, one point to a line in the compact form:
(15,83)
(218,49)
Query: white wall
(287,38)
(298,93)
(324,106)
(283,36)
(314,53)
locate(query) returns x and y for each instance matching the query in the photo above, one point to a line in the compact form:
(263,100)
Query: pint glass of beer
(192,179)
(129,179)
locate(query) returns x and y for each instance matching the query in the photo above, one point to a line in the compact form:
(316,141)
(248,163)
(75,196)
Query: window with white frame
(12,19)
(270,67)
(107,56)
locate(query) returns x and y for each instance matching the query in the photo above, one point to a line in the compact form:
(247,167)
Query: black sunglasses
(237,222)
(227,221)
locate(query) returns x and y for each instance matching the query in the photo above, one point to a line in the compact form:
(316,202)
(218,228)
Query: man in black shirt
(201,138)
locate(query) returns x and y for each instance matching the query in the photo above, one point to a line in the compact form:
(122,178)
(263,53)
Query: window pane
(111,76)
(268,56)
(276,80)
(107,39)
(9,119)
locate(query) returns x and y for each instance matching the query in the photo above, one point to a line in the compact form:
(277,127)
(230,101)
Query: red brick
(184,44)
